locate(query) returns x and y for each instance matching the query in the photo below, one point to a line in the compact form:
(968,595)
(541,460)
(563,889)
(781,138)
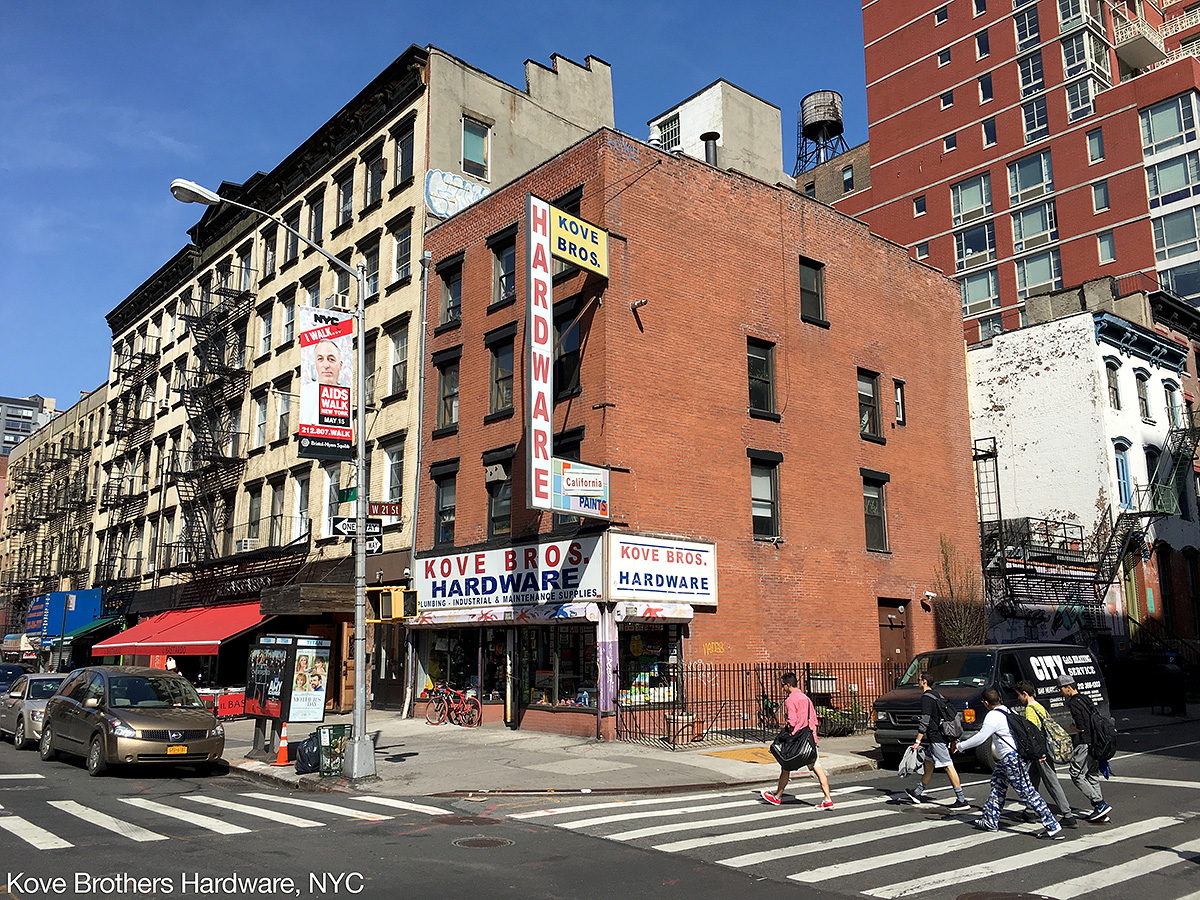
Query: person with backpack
(936,713)
(1042,771)
(1086,732)
(1010,770)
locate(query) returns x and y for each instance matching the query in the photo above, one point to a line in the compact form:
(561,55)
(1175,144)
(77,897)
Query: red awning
(183,632)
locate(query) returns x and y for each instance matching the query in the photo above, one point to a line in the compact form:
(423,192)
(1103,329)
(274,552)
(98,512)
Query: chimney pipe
(710,139)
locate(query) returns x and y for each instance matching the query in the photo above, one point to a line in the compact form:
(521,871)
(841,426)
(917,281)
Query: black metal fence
(743,702)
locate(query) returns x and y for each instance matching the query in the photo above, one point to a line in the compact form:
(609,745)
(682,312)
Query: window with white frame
(982,45)
(1095,145)
(1100,196)
(260,421)
(283,412)
(269,252)
(504,269)
(975,246)
(291,243)
(447,410)
(299,505)
(979,7)
(376,166)
(398,342)
(971,198)
(847,179)
(947,99)
(981,292)
(1171,398)
(1030,177)
(987,131)
(1039,271)
(901,406)
(316,216)
(940,15)
(264,332)
(444,509)
(1106,247)
(452,295)
(1030,75)
(1183,280)
(1171,123)
(253,511)
(1174,179)
(985,88)
(371,270)
(1070,14)
(1034,226)
(501,376)
(1037,124)
(949,142)
(918,206)
(944,58)
(289,321)
(333,475)
(393,477)
(341,286)
(402,253)
(475,147)
(1025,23)
(500,501)
(1142,380)
(922,250)
(668,132)
(990,327)
(312,293)
(345,196)
(404,154)
(875,513)
(764,498)
(1079,99)
(1175,234)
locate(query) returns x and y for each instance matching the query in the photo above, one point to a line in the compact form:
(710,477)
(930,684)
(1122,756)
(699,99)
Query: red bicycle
(447,703)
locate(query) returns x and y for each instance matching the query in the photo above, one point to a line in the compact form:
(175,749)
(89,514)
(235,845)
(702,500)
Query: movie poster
(326,376)
(265,680)
(309,679)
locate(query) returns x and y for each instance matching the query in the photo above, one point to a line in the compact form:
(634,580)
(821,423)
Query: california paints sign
(326,374)
(661,570)
(532,574)
(579,489)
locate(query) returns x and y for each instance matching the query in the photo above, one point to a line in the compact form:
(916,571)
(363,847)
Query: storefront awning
(184,632)
(17,643)
(507,614)
(54,640)
(653,612)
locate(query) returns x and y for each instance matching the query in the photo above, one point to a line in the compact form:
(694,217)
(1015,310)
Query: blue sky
(102,104)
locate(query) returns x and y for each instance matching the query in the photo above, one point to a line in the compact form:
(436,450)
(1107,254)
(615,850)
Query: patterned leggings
(1011,771)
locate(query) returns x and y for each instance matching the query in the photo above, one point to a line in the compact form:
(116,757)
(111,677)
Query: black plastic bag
(308,755)
(794,751)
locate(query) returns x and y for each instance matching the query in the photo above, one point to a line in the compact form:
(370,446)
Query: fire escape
(22,578)
(124,494)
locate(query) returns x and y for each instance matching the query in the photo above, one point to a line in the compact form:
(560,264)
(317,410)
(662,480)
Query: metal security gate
(699,702)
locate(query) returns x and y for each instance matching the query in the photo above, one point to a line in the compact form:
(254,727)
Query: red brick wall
(664,394)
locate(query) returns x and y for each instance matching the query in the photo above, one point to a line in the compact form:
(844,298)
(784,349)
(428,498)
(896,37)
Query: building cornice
(1134,340)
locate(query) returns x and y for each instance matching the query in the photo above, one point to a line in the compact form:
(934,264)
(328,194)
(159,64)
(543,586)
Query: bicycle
(447,703)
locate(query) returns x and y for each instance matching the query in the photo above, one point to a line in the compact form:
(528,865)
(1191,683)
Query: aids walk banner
(326,376)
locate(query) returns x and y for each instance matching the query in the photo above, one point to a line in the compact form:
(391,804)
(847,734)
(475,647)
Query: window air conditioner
(164,404)
(245,545)
(341,302)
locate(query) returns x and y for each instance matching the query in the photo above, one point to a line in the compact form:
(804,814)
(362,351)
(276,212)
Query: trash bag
(794,751)
(911,763)
(308,755)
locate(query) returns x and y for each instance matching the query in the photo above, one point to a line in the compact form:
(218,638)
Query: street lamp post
(360,751)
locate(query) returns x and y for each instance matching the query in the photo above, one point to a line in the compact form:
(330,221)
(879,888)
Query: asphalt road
(64,834)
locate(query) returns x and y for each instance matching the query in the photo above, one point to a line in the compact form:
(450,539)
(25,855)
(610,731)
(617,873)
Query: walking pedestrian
(1085,771)
(1042,772)
(936,752)
(800,712)
(1009,771)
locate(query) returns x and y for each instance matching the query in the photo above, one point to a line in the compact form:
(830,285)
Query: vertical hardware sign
(539,356)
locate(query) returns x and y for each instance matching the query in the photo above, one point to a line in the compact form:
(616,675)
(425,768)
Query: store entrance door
(346,685)
(389,669)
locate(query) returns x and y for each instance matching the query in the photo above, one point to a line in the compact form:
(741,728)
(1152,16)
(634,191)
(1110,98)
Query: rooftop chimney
(710,139)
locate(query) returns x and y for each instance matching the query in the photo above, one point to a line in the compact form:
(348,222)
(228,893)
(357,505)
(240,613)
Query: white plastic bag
(910,763)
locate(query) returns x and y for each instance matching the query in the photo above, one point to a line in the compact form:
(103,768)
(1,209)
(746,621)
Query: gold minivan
(130,715)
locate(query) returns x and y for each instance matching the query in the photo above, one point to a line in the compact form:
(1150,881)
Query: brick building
(765,381)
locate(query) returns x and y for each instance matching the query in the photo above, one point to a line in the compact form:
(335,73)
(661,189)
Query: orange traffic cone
(281,758)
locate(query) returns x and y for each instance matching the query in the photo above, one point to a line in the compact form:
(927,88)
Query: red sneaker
(826,804)
(771,798)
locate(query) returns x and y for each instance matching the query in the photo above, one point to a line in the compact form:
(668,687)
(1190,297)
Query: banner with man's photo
(326,378)
(310,675)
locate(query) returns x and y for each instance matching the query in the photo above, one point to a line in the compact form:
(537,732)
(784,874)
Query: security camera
(930,595)
(900,609)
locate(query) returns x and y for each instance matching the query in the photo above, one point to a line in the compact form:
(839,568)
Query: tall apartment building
(767,425)
(50,506)
(205,500)
(20,417)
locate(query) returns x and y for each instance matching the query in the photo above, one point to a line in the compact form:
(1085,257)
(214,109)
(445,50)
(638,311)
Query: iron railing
(743,702)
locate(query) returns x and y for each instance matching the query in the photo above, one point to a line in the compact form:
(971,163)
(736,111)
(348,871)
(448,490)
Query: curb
(260,771)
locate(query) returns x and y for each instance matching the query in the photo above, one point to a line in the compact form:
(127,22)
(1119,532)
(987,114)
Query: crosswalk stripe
(280,818)
(320,807)
(32,834)
(104,820)
(183,815)
(660,813)
(762,814)
(403,804)
(621,804)
(1020,860)
(818,820)
(1162,782)
(21,777)
(1135,868)
(851,840)
(899,857)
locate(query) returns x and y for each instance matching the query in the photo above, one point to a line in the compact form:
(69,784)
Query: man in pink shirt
(800,712)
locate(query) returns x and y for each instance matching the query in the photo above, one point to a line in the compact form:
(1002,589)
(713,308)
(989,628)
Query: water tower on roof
(819,130)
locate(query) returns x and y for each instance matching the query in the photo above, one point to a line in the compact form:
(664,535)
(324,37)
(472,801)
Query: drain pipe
(410,653)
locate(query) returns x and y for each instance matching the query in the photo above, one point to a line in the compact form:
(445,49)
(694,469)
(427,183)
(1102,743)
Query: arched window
(1124,484)
(1143,379)
(1114,391)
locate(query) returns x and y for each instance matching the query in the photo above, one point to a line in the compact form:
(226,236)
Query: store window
(557,666)
(450,657)
(649,664)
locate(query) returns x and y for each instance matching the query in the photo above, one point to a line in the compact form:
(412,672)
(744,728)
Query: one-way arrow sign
(347,526)
(374,545)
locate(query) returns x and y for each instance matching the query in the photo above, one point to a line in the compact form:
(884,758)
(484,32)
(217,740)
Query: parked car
(113,715)
(23,705)
(10,672)
(961,674)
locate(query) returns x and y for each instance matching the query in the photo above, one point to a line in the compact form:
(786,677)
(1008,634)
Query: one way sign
(374,545)
(347,526)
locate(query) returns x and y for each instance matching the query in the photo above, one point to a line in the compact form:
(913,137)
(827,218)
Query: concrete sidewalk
(413,758)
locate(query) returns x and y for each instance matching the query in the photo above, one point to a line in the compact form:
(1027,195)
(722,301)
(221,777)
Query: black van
(961,674)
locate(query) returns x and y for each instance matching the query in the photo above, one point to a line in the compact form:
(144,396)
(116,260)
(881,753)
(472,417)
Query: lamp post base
(360,757)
